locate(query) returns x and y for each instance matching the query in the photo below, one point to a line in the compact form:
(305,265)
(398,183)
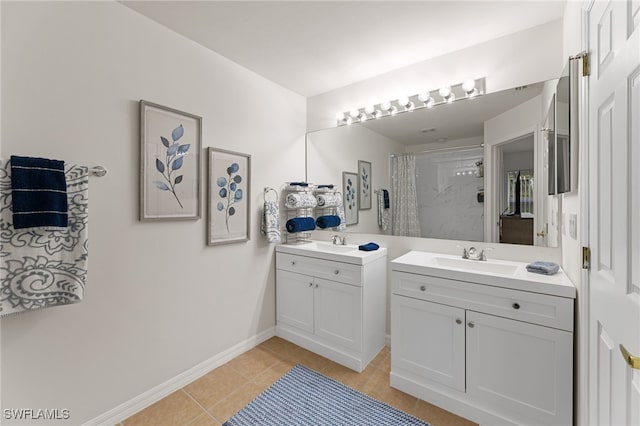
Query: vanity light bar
(427,99)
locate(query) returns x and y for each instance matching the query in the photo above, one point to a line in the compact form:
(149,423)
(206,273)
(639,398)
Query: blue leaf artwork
(173,160)
(350,195)
(364,180)
(230,192)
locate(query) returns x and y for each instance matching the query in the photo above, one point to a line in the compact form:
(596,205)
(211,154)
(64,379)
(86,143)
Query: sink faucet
(337,239)
(473,254)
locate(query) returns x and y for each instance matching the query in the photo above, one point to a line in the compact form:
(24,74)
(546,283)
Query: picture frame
(229,197)
(364,181)
(350,196)
(170,172)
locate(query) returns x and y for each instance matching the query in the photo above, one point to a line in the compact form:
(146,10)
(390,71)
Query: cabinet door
(520,369)
(428,340)
(338,313)
(294,300)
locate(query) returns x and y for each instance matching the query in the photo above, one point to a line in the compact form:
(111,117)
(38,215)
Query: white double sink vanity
(486,340)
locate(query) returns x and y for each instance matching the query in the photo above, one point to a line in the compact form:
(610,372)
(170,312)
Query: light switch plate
(573,226)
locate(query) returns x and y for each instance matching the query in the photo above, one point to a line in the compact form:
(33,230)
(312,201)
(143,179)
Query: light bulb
(354,113)
(349,120)
(369,109)
(404,101)
(386,106)
(363,117)
(340,116)
(445,92)
(378,114)
(411,106)
(424,97)
(468,86)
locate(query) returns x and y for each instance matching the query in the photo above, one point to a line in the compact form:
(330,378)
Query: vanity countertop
(348,253)
(494,272)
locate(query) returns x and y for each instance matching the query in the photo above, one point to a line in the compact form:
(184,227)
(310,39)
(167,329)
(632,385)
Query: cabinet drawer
(334,271)
(551,311)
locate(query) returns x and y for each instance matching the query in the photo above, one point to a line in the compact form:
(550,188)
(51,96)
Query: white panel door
(294,299)
(338,313)
(520,369)
(614,210)
(428,340)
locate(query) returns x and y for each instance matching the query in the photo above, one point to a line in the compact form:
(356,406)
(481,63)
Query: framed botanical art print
(364,180)
(350,191)
(228,196)
(170,143)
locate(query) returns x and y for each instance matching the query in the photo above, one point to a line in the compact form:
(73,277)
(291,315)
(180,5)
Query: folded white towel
(297,201)
(328,200)
(271,221)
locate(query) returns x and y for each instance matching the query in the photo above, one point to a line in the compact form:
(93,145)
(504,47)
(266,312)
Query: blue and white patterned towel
(271,221)
(40,268)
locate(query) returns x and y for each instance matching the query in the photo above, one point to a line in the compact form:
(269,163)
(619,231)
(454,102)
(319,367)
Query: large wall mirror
(475,169)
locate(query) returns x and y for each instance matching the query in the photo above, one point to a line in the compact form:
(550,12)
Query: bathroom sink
(494,272)
(487,266)
(334,248)
(348,253)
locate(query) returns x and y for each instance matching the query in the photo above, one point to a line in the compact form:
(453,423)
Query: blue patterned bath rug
(303,397)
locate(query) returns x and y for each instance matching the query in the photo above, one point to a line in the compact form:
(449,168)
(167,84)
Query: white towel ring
(266,191)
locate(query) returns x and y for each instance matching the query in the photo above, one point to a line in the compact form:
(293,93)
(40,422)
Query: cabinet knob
(471,324)
(516,306)
(458,321)
(423,288)
(293,263)
(310,284)
(337,271)
(317,285)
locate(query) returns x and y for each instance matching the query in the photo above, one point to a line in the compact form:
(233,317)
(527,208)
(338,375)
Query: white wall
(332,151)
(158,301)
(522,58)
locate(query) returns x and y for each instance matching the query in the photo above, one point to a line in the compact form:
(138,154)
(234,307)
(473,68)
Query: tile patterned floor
(219,394)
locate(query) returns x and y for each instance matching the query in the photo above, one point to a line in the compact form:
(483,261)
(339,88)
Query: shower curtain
(404,208)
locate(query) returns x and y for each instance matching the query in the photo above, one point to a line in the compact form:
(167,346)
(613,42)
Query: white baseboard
(142,401)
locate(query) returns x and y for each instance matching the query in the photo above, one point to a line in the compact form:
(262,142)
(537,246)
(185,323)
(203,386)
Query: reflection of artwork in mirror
(350,191)
(364,173)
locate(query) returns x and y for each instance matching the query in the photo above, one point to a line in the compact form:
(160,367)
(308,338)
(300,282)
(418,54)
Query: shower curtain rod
(456,148)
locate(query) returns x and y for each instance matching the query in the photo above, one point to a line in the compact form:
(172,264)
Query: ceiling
(312,47)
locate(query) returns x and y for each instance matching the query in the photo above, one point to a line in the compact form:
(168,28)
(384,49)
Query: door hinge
(586,258)
(586,65)
(586,62)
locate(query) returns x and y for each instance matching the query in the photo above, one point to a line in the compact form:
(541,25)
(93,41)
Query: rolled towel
(328,200)
(542,267)
(297,201)
(301,224)
(328,221)
(368,247)
(39,193)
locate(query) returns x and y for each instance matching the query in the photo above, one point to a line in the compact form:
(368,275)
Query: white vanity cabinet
(496,354)
(330,306)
